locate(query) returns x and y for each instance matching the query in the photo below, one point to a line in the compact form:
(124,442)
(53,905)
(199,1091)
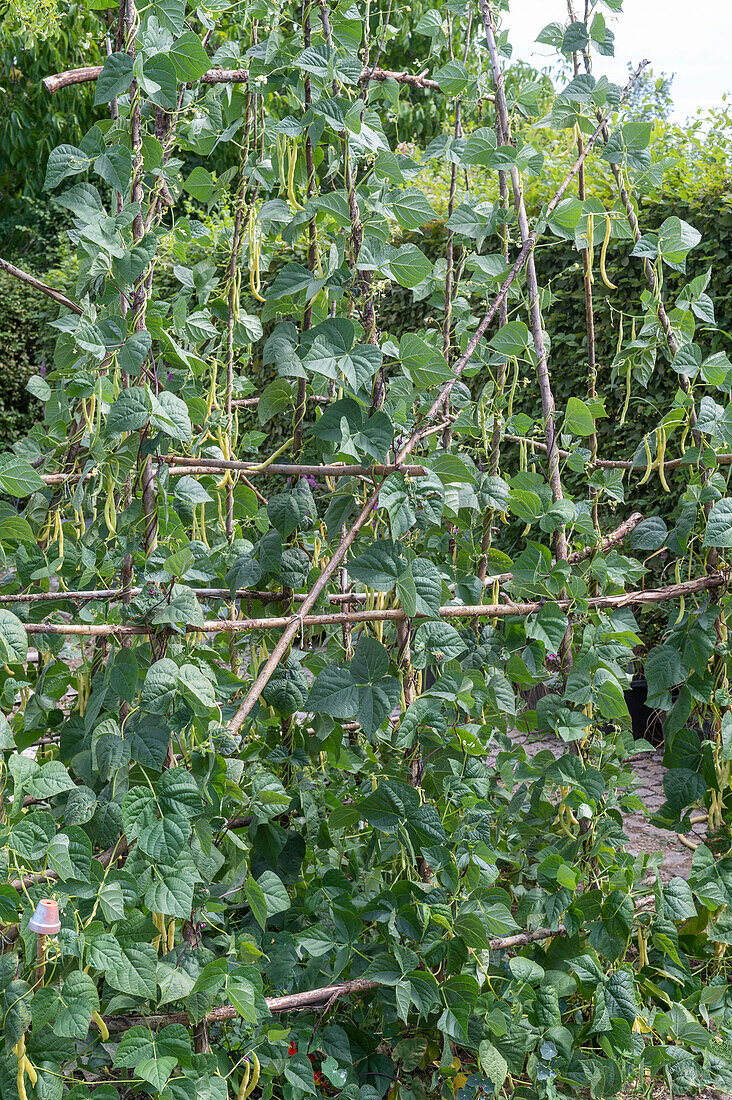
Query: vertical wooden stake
(40,961)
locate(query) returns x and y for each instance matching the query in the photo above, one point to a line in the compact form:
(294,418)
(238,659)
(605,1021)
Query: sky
(694,41)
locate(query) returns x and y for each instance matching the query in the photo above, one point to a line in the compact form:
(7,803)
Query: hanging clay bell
(45,921)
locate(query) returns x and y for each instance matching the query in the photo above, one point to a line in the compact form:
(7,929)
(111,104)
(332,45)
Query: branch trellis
(414,528)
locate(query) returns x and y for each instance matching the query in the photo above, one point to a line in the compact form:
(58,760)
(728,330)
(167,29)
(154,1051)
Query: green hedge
(713,218)
(26,340)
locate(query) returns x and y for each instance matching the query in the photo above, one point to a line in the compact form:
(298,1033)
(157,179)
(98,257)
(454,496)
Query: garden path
(644,837)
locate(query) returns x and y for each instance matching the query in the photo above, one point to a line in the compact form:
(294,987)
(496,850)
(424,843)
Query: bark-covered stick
(293,623)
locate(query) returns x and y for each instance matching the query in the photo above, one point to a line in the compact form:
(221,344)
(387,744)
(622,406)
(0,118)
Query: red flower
(292,1049)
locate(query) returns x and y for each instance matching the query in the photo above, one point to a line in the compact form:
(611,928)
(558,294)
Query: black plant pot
(647,722)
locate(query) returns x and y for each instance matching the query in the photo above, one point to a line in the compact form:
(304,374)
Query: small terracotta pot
(45,921)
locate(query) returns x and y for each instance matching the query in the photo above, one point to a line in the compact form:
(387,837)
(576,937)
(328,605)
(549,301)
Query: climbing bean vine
(265,707)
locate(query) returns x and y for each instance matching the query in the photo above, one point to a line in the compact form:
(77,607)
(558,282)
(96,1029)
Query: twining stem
(450,267)
(139,298)
(362,279)
(495,448)
(450,249)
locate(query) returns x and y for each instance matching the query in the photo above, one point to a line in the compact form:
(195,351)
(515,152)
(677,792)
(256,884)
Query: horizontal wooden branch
(49,291)
(619,463)
(196,465)
(252,402)
(182,466)
(311,998)
(87,74)
(394,614)
(117,852)
(297,469)
(112,594)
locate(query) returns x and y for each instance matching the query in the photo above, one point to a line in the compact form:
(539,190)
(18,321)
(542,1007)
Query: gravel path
(644,837)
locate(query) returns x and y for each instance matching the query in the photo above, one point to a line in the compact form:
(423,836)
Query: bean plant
(274,656)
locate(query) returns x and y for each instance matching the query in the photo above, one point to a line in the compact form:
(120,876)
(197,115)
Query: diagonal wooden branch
(49,291)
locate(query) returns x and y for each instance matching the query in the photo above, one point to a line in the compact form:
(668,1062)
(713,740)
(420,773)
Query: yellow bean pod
(603,254)
(660,459)
(254,1080)
(626,403)
(292,164)
(19,1051)
(103,1029)
(649,462)
(244,1081)
(255,248)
